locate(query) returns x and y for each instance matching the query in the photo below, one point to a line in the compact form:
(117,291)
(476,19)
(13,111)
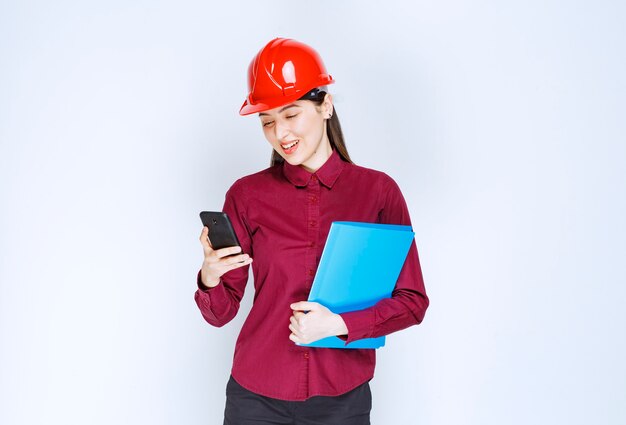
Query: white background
(503,122)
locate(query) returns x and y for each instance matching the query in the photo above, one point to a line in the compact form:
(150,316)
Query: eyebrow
(293,105)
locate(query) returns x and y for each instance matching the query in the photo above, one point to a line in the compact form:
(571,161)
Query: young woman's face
(298,132)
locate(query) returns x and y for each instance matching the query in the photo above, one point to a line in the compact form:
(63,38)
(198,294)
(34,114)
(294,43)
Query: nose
(282,130)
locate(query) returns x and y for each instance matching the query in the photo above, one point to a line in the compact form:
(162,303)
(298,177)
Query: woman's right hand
(217,262)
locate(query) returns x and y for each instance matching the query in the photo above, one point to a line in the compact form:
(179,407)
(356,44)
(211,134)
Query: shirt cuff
(360,325)
(215,296)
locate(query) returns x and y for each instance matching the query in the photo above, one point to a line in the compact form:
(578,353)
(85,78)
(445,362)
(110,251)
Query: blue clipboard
(359,266)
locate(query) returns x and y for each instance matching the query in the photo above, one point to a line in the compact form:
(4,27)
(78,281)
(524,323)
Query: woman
(282,216)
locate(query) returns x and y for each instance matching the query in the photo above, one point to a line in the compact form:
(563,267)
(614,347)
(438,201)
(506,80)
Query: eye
(267,124)
(292,116)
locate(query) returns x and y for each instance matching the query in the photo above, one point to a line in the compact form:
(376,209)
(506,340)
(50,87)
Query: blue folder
(359,266)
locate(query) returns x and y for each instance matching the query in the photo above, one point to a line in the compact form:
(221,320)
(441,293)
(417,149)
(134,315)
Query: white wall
(503,123)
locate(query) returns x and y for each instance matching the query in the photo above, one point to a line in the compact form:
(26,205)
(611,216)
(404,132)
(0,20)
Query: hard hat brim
(247,108)
(250,108)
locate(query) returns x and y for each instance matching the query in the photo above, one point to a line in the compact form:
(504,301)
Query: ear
(327,105)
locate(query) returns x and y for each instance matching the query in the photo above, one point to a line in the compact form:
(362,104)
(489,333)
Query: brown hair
(333,129)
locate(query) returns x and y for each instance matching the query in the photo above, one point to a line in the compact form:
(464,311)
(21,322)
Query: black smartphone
(221,232)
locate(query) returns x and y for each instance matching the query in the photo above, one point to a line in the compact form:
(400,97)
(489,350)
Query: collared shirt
(282,216)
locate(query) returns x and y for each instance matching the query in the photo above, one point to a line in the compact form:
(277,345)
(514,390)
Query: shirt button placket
(313,216)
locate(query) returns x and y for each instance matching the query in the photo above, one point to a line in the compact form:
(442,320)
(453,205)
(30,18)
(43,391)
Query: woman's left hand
(319,322)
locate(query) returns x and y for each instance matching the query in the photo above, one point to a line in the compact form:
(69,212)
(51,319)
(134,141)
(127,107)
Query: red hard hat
(282,72)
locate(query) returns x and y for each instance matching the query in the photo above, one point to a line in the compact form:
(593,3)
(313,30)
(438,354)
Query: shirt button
(314,177)
(313,223)
(311,272)
(306,355)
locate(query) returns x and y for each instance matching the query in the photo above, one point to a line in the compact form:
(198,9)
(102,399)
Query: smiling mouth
(290,147)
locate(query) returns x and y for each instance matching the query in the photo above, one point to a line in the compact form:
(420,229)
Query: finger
(305,306)
(294,322)
(297,334)
(204,239)
(237,265)
(229,261)
(298,321)
(294,338)
(225,252)
(294,330)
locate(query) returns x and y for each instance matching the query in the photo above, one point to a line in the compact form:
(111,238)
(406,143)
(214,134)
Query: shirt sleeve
(220,304)
(408,303)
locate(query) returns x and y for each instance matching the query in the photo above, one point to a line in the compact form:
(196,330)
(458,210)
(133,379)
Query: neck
(323,152)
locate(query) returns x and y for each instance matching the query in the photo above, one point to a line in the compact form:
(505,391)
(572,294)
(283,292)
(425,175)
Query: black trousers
(244,407)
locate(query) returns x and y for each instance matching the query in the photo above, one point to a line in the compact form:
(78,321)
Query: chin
(292,161)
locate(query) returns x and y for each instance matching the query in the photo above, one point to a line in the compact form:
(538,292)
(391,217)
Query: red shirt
(282,216)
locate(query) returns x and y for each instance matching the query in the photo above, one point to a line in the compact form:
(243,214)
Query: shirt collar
(327,173)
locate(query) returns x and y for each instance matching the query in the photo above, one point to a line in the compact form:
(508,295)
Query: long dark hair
(333,129)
